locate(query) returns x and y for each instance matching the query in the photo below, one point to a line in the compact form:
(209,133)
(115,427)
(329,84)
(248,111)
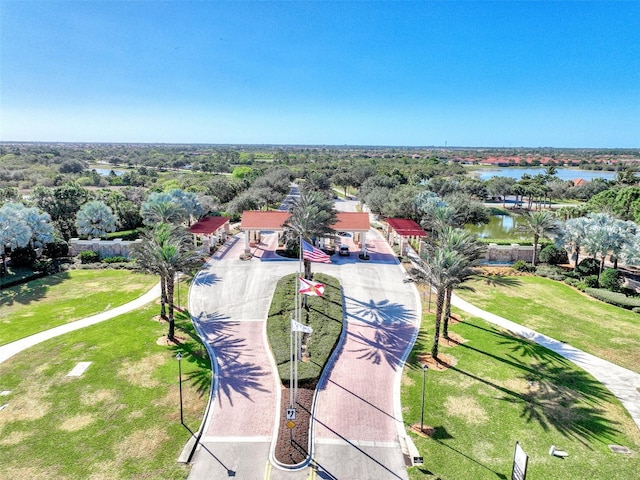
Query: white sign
(291,413)
(520,461)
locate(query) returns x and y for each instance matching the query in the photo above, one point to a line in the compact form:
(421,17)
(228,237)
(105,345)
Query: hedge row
(614,298)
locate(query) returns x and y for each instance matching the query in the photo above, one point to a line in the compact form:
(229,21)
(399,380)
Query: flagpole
(291,361)
(297,350)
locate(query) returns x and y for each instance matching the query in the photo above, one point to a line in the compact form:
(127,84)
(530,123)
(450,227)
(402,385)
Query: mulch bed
(292,444)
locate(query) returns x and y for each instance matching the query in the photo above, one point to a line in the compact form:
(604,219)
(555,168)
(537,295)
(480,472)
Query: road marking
(313,470)
(212,439)
(267,471)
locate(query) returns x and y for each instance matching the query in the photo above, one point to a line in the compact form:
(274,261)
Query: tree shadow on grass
(552,392)
(32,291)
(502,281)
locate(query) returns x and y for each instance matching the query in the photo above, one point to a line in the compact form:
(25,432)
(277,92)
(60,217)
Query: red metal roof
(406,227)
(352,222)
(208,225)
(258,220)
(274,220)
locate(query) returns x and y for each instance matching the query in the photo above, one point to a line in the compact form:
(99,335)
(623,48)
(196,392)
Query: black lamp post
(425,367)
(179,357)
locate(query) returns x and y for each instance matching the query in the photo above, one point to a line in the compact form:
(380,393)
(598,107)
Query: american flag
(313,254)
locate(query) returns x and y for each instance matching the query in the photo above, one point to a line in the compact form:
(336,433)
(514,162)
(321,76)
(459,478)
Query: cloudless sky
(533,74)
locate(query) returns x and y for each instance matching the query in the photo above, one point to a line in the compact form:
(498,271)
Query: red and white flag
(313,254)
(309,287)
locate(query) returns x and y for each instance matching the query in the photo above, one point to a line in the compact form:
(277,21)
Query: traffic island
(324,316)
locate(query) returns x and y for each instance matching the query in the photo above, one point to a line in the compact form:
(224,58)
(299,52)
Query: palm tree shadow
(502,281)
(386,332)
(235,373)
(551,392)
(205,279)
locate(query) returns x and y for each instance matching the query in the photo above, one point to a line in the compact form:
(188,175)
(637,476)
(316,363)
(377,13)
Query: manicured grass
(67,296)
(561,312)
(324,316)
(120,420)
(505,389)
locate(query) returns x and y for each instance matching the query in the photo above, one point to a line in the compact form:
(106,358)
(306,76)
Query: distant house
(579,181)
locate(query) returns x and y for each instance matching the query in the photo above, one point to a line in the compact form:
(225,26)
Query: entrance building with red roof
(254,222)
(402,230)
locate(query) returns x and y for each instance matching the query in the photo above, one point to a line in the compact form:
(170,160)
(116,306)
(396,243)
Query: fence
(105,248)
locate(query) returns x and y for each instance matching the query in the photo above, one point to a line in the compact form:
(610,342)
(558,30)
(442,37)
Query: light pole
(179,357)
(425,367)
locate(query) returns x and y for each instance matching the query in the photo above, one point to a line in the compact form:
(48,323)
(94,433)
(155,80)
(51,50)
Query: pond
(105,172)
(500,227)
(561,173)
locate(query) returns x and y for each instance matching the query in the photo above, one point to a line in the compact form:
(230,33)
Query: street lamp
(425,367)
(179,357)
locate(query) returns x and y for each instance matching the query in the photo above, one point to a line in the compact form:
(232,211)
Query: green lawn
(67,296)
(120,420)
(563,313)
(504,389)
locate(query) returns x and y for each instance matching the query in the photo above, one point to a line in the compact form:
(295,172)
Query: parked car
(343,251)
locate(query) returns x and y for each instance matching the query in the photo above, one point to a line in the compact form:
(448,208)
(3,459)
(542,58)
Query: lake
(499,226)
(562,173)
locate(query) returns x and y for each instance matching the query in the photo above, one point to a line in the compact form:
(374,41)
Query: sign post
(520,462)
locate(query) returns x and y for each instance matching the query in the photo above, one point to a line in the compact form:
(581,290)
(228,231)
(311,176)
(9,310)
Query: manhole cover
(619,449)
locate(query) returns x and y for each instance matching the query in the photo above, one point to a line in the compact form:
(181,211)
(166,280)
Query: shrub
(553,273)
(571,274)
(610,279)
(56,249)
(591,281)
(127,235)
(614,298)
(89,256)
(23,257)
(636,309)
(588,266)
(574,282)
(522,266)
(553,255)
(115,259)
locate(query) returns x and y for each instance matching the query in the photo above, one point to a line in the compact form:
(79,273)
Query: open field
(120,419)
(563,313)
(67,296)
(502,389)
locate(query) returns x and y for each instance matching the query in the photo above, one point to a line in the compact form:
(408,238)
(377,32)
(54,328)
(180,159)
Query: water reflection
(499,226)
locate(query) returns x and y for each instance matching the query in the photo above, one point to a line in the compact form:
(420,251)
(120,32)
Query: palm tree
(312,217)
(14,233)
(440,265)
(95,219)
(162,208)
(39,222)
(166,250)
(471,250)
(540,224)
(575,232)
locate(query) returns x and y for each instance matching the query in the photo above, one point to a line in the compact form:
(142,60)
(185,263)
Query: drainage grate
(619,449)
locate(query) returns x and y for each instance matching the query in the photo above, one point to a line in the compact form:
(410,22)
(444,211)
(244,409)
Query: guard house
(212,230)
(401,230)
(254,222)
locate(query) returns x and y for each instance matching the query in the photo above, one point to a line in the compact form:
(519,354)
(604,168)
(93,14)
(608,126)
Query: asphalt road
(357,422)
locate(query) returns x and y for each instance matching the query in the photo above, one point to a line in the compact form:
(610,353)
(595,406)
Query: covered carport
(402,230)
(211,230)
(356,223)
(254,222)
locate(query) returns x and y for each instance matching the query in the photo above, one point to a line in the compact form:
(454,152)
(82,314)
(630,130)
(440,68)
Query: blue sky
(532,74)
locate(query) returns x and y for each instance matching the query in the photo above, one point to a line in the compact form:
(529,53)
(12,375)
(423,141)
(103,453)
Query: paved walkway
(623,383)
(10,349)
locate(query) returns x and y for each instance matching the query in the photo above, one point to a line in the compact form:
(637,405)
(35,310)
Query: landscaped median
(498,389)
(324,315)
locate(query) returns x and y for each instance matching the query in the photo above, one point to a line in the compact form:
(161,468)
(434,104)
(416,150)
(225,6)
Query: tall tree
(540,224)
(575,232)
(95,219)
(14,233)
(312,217)
(165,250)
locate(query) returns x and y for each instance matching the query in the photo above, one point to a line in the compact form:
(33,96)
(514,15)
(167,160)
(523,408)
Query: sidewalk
(10,349)
(623,383)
